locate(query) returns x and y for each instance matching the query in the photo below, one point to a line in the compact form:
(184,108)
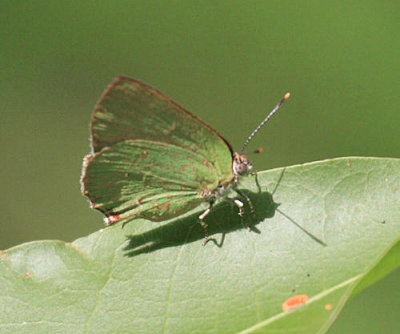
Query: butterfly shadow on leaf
(222,220)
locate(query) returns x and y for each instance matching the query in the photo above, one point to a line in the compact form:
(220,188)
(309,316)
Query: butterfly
(153,159)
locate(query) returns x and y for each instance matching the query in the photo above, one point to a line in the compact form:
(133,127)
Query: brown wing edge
(86,162)
(156,93)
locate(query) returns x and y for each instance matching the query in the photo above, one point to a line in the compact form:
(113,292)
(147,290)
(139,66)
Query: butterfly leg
(250,203)
(203,224)
(240,206)
(255,174)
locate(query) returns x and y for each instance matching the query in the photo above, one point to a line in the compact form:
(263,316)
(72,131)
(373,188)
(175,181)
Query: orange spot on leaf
(328,307)
(294,302)
(3,255)
(27,275)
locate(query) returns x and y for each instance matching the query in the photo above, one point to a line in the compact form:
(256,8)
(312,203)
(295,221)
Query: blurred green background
(228,62)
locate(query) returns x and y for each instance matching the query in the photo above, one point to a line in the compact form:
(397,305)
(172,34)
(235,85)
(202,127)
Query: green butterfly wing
(130,109)
(149,179)
(151,158)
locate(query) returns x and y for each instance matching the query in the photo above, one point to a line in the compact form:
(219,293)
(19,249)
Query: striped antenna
(287,95)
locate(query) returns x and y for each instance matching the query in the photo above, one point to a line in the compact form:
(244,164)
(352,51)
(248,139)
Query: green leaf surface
(327,229)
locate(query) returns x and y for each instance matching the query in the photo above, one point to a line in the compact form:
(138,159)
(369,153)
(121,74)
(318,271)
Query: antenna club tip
(287,95)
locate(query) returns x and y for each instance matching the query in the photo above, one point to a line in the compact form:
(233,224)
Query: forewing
(130,109)
(144,178)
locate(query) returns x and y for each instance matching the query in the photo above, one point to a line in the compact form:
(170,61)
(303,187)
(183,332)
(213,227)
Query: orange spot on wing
(144,154)
(328,307)
(110,220)
(164,206)
(294,302)
(93,205)
(172,128)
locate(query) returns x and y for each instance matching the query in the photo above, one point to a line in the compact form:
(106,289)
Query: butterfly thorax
(240,166)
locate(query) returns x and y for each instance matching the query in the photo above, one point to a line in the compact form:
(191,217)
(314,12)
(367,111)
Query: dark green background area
(228,62)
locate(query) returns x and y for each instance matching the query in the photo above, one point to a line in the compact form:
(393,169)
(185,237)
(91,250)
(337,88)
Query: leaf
(328,227)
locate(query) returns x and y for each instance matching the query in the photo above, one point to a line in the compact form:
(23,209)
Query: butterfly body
(153,159)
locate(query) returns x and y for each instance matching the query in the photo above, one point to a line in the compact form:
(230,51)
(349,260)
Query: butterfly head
(241,165)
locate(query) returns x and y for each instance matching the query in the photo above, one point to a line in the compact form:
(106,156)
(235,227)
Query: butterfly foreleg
(249,202)
(203,224)
(255,174)
(239,204)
